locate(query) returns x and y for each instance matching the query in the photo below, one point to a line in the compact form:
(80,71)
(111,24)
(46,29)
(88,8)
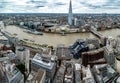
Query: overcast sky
(59,6)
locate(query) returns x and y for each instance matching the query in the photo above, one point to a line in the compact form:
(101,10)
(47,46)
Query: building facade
(39,62)
(9,73)
(23,54)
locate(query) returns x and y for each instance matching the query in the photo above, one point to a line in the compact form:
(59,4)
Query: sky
(59,6)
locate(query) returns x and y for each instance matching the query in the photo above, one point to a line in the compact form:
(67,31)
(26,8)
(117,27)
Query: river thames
(55,39)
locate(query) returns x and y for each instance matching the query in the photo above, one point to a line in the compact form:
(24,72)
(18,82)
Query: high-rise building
(109,54)
(23,54)
(70,15)
(38,62)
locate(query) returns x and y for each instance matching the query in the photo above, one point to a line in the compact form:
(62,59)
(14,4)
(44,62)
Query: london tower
(70,15)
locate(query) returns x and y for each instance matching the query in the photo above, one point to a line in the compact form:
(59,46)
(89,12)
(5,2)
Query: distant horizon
(60,6)
(54,13)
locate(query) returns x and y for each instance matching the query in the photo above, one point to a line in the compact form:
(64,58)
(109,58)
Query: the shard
(70,15)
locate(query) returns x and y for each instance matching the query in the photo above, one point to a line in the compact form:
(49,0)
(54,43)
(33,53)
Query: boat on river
(33,32)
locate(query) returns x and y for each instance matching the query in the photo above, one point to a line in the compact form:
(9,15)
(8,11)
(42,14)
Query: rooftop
(2,37)
(77,66)
(36,76)
(40,75)
(109,49)
(9,34)
(104,72)
(88,75)
(11,55)
(63,52)
(37,59)
(9,68)
(31,77)
(118,58)
(60,75)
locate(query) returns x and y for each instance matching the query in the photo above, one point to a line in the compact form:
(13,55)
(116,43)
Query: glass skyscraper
(70,15)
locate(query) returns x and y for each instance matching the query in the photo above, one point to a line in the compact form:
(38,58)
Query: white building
(1,25)
(23,54)
(3,39)
(111,41)
(39,62)
(12,38)
(75,21)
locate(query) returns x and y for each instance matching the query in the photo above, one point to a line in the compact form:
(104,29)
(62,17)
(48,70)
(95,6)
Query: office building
(109,55)
(111,41)
(78,73)
(87,76)
(93,41)
(116,79)
(104,73)
(23,54)
(63,53)
(75,21)
(78,47)
(79,22)
(12,39)
(39,62)
(69,78)
(9,73)
(12,56)
(37,77)
(2,25)
(59,77)
(117,48)
(93,57)
(3,39)
(70,15)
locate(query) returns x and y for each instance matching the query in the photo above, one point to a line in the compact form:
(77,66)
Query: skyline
(59,6)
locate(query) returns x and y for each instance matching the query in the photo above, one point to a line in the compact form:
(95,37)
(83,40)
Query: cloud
(59,3)
(106,4)
(59,6)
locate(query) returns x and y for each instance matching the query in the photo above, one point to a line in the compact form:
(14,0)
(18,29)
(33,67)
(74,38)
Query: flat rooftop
(9,34)
(2,37)
(37,59)
(40,75)
(8,68)
(109,49)
(36,76)
(63,52)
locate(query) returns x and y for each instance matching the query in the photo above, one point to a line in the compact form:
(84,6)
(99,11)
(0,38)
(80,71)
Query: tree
(21,67)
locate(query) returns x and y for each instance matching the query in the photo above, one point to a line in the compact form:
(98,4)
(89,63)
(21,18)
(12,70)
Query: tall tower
(70,15)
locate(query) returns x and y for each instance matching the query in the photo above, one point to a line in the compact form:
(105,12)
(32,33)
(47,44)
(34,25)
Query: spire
(70,15)
(70,7)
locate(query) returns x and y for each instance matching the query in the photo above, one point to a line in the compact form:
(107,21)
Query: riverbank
(55,39)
